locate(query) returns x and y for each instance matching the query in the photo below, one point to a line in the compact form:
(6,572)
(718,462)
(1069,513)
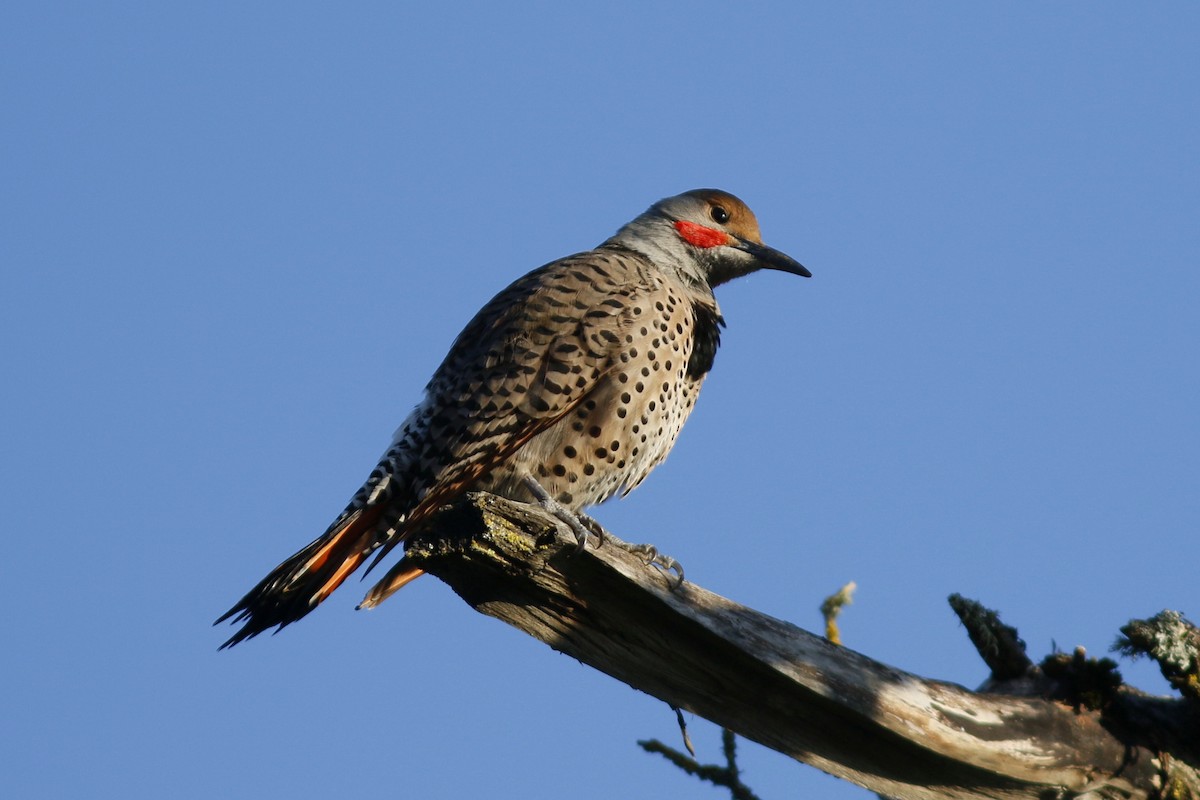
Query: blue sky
(237,238)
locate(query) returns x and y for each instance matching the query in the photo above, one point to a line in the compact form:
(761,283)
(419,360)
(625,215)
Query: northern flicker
(567,388)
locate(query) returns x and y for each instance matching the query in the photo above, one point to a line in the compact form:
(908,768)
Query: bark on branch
(886,730)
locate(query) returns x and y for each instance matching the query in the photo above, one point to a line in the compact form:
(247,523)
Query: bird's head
(709,234)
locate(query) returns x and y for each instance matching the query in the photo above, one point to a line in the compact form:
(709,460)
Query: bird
(564,390)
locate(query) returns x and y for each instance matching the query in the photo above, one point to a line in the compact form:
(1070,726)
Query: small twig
(832,606)
(727,776)
(683,731)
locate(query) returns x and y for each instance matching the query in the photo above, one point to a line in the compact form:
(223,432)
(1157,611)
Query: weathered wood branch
(886,730)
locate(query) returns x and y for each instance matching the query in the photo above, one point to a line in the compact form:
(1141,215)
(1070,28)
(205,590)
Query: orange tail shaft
(397,578)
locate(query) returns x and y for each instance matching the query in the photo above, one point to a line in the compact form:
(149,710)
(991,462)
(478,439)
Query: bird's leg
(558,510)
(581,524)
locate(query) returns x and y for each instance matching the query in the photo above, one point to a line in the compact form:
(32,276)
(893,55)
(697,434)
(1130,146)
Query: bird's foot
(652,558)
(581,525)
(597,529)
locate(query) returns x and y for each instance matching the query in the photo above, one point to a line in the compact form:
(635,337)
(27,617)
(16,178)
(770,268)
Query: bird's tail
(299,584)
(396,579)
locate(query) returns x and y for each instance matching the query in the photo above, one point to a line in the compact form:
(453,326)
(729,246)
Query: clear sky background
(235,240)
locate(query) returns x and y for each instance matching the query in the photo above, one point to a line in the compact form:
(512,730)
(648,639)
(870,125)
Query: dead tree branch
(886,730)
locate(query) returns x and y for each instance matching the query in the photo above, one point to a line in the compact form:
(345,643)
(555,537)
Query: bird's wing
(528,358)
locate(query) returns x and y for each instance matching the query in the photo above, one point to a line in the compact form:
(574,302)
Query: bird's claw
(596,528)
(652,558)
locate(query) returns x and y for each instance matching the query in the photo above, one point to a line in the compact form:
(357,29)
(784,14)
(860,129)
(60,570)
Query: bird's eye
(719,215)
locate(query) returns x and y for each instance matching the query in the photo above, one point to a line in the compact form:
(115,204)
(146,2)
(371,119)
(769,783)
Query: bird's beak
(770,258)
